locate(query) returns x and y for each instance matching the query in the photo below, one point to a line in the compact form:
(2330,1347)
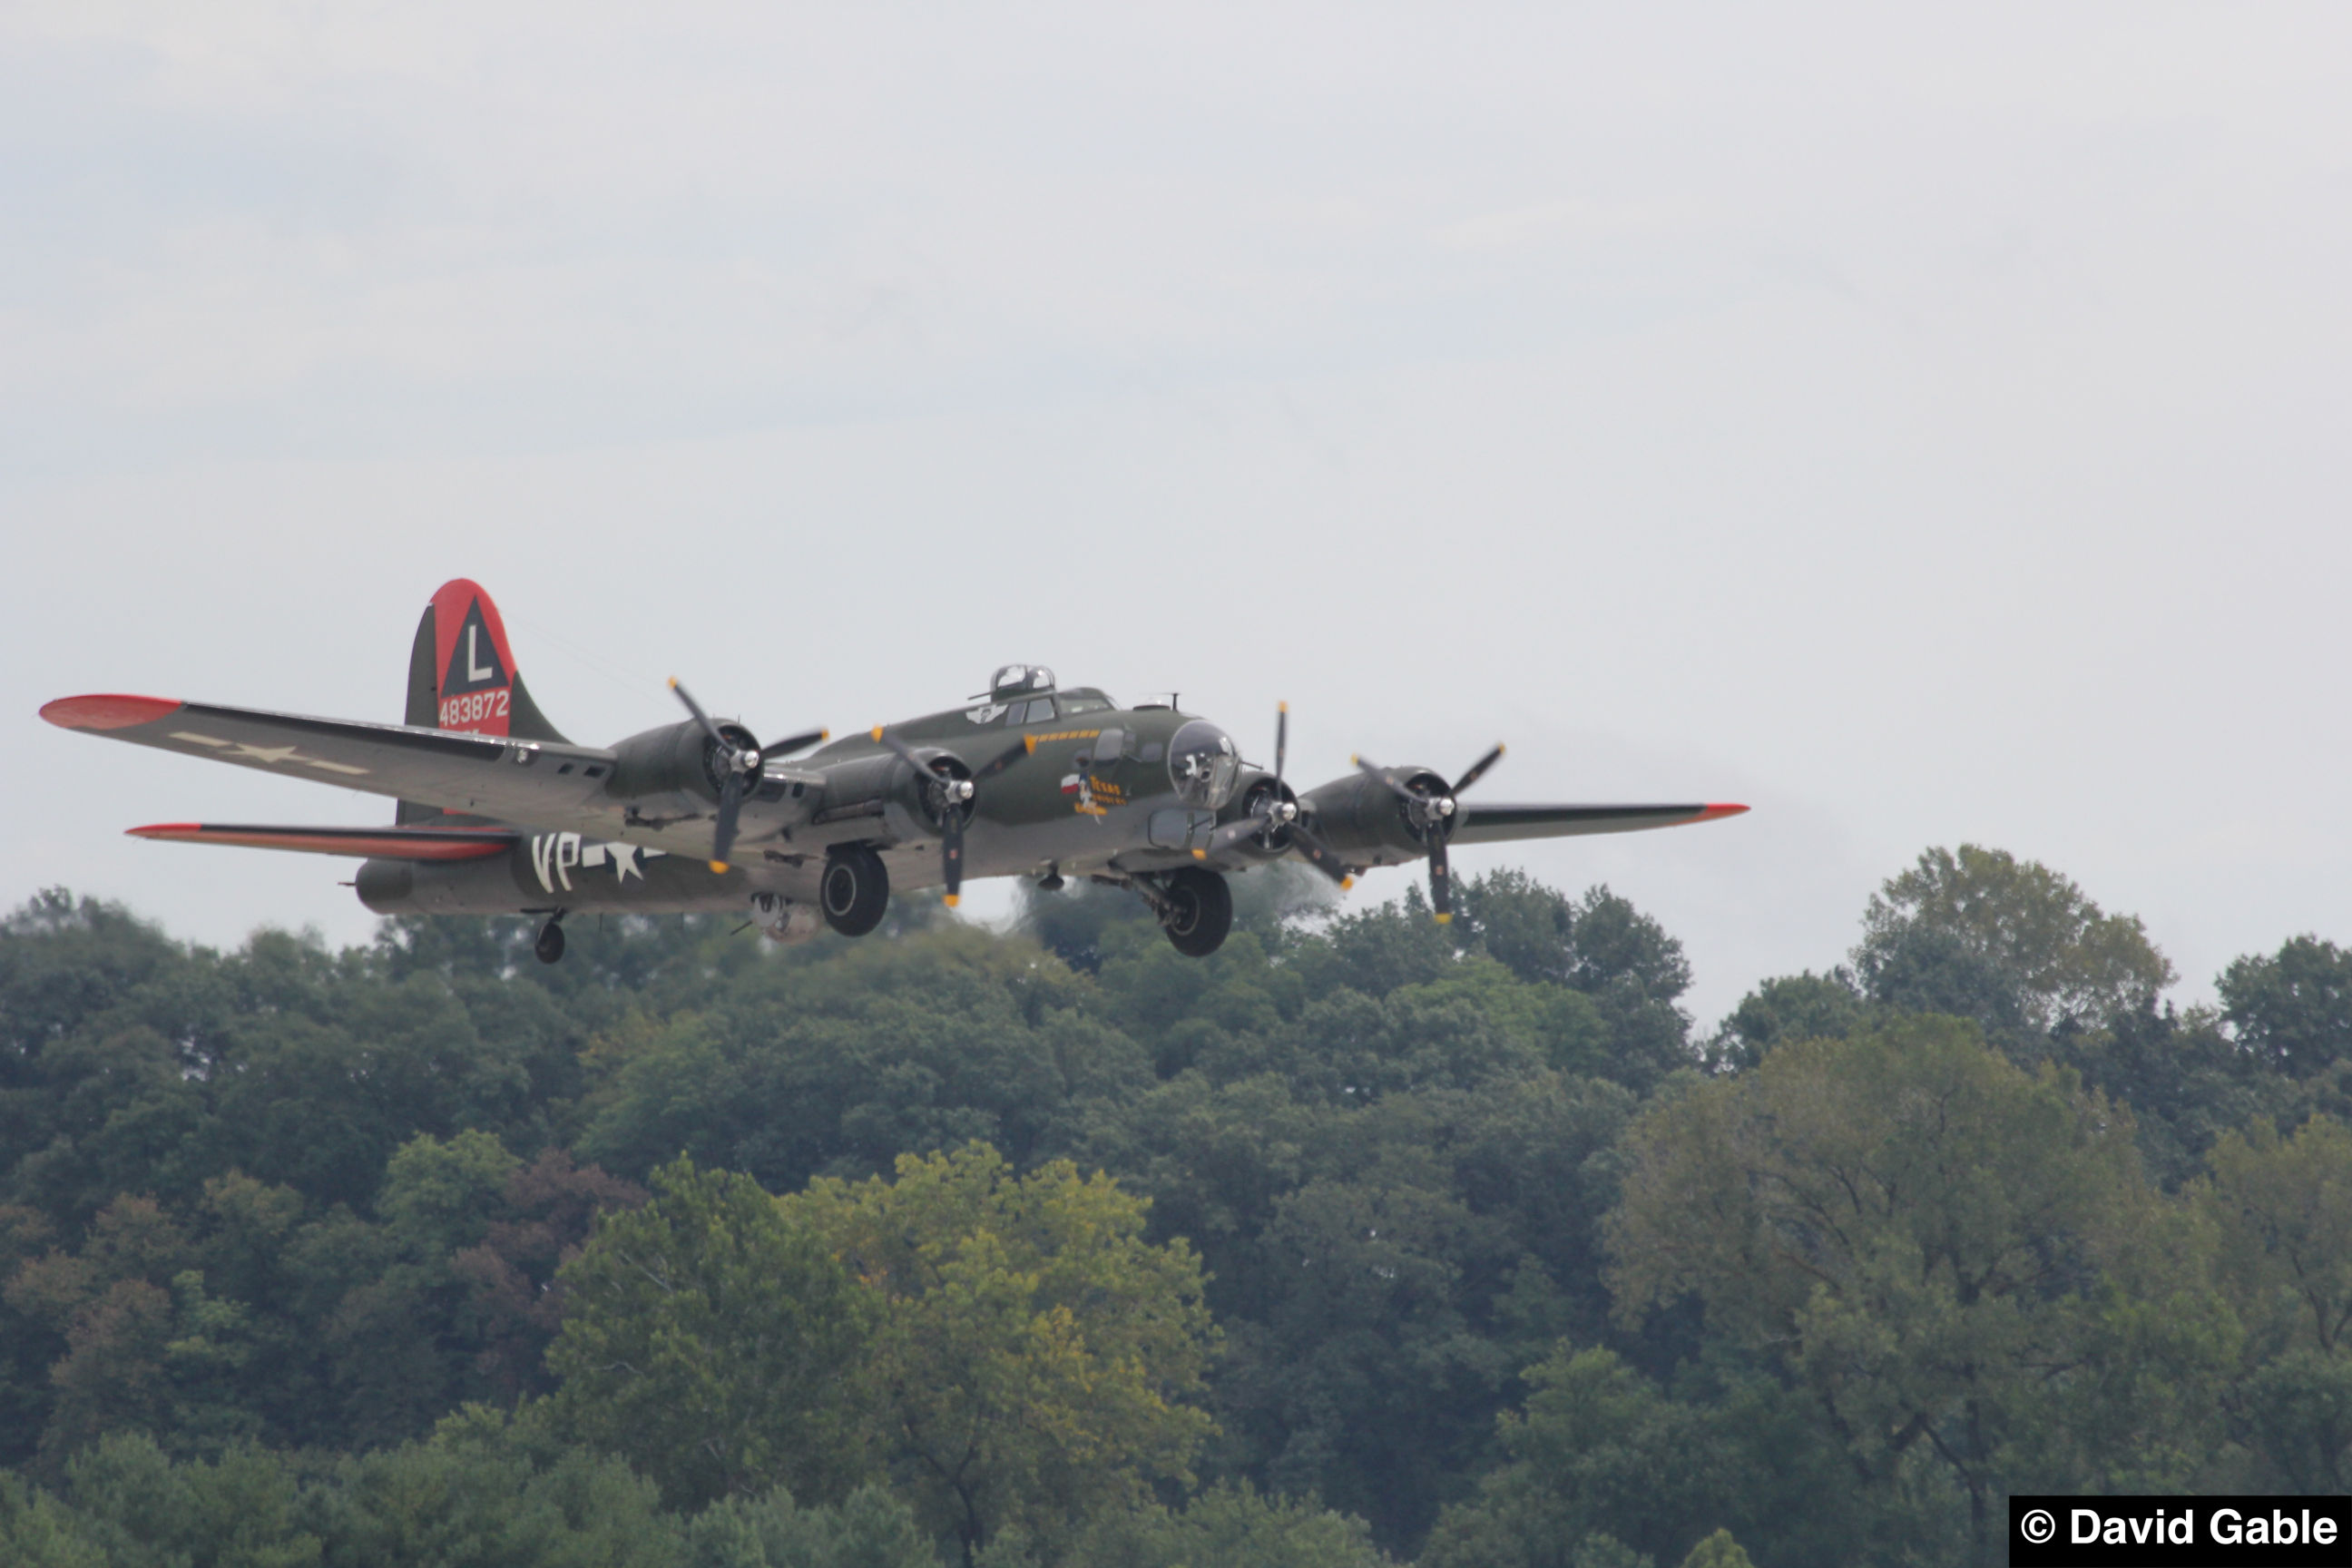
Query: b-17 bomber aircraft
(499,813)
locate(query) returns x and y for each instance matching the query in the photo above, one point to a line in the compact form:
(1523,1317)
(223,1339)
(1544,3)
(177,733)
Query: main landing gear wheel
(856,890)
(1199,911)
(549,947)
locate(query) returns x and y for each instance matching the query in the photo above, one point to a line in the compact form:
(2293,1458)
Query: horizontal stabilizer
(374,842)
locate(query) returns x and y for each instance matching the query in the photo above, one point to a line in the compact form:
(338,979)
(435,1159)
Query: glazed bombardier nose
(1204,765)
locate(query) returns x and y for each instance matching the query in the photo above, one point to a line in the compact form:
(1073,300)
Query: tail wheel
(549,947)
(856,890)
(1199,911)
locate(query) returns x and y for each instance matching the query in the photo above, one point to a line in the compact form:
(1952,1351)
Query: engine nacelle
(1362,819)
(676,759)
(879,797)
(1254,792)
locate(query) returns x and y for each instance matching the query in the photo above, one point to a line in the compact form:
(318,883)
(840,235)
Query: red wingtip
(107,712)
(165,830)
(1711,813)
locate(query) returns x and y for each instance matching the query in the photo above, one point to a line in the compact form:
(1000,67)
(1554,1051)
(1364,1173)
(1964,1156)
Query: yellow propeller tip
(719,868)
(952,899)
(825,735)
(1200,855)
(1282,707)
(878,731)
(1446,919)
(1346,883)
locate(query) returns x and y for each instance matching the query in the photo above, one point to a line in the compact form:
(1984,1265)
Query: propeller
(1280,816)
(951,796)
(1432,817)
(739,758)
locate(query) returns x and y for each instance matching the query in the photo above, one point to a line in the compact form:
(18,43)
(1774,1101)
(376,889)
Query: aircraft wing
(372,843)
(535,782)
(1486,823)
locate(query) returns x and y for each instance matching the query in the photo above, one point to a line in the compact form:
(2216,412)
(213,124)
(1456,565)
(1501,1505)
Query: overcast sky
(1926,431)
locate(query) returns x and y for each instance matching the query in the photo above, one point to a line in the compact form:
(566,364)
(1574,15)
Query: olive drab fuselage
(1094,795)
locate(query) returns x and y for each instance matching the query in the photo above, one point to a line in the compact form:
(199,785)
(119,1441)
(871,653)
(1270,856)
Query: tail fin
(462,676)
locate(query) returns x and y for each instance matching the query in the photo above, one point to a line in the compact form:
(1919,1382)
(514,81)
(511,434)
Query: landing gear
(1051,882)
(856,890)
(549,947)
(1196,911)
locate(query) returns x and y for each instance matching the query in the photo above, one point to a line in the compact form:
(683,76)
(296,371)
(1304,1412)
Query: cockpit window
(1016,680)
(1204,765)
(1037,713)
(1074,706)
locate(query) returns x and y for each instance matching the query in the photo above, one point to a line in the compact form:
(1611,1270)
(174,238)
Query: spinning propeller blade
(952,800)
(740,765)
(1433,816)
(1478,768)
(1281,816)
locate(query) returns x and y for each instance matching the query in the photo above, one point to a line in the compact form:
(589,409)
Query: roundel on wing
(476,684)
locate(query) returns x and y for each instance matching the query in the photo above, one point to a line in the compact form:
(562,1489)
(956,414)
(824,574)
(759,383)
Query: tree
(871,1528)
(1910,1225)
(2186,1082)
(788,1073)
(2283,1207)
(2292,1010)
(1805,1007)
(514,1299)
(713,1343)
(1231,1527)
(1598,944)
(1034,1353)
(1598,1460)
(1979,933)
(1718,1551)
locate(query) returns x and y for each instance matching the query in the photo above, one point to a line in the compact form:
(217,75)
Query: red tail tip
(107,712)
(1711,813)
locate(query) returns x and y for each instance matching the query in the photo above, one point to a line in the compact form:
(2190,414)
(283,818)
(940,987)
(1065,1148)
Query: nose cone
(1204,765)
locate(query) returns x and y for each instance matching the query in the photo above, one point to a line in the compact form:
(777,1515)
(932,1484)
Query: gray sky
(1925,430)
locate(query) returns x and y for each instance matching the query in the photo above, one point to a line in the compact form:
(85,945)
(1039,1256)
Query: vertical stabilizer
(462,676)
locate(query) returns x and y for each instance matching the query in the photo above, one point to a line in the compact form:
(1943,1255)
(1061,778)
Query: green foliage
(835,1070)
(2293,1009)
(2186,1082)
(1805,1007)
(1232,1527)
(870,1530)
(480,1494)
(1035,1354)
(1601,1464)
(1909,1227)
(2283,1209)
(1979,934)
(38,1532)
(1718,1551)
(714,1343)
(314,1200)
